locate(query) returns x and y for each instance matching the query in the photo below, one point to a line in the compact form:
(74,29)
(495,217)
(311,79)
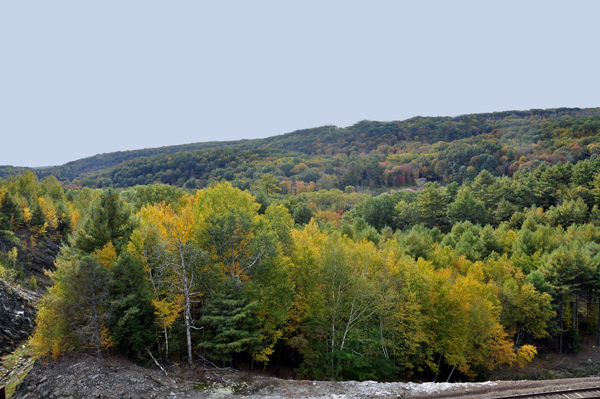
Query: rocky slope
(17,315)
(35,254)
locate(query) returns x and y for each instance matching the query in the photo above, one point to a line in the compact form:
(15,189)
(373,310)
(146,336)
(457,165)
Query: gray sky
(78,78)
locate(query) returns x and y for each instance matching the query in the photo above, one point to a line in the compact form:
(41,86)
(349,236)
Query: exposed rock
(79,376)
(35,254)
(17,315)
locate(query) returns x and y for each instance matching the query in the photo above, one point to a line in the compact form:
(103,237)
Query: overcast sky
(78,78)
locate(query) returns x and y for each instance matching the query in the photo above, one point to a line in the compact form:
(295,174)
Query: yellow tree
(354,284)
(74,311)
(176,262)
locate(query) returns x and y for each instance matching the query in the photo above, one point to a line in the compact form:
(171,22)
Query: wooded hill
(447,281)
(368,154)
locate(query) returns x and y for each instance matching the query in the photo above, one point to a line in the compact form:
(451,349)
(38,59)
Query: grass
(15,367)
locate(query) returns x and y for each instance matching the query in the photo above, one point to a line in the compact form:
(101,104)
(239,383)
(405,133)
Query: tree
(569,212)
(37,218)
(174,257)
(242,248)
(486,189)
(74,312)
(10,212)
(235,243)
(596,189)
(268,184)
(348,284)
(406,215)
(301,213)
(568,271)
(231,323)
(132,317)
(466,207)
(109,221)
(379,211)
(157,193)
(432,204)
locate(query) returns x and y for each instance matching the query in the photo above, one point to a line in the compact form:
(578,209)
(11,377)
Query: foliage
(109,221)
(489,246)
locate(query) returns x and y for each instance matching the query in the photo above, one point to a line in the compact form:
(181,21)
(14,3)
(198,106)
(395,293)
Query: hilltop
(368,154)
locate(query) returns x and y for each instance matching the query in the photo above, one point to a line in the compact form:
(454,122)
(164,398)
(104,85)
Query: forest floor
(548,365)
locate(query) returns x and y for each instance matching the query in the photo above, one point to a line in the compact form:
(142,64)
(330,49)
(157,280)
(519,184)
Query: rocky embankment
(79,376)
(17,315)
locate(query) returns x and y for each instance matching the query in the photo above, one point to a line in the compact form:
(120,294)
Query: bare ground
(81,376)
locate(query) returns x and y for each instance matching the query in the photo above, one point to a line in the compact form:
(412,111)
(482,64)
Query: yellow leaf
(107,255)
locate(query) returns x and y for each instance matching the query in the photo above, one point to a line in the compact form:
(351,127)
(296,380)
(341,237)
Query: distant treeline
(368,154)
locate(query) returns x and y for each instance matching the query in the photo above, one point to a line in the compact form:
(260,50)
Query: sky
(79,78)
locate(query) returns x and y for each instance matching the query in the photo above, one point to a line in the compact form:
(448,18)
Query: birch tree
(175,258)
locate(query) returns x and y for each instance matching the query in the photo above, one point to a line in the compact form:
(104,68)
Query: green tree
(406,215)
(11,212)
(486,189)
(155,194)
(37,217)
(466,207)
(568,213)
(432,205)
(109,221)
(231,323)
(132,317)
(268,184)
(301,213)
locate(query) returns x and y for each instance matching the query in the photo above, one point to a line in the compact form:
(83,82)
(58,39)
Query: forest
(335,269)
(370,154)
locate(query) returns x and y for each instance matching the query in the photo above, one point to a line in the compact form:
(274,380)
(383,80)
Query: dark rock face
(36,254)
(78,376)
(17,316)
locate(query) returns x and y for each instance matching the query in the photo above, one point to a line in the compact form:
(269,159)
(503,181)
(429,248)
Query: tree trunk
(438,368)
(575,332)
(587,315)
(166,344)
(560,323)
(96,326)
(188,329)
(452,371)
(575,314)
(598,325)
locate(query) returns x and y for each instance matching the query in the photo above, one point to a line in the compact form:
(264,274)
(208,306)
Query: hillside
(367,154)
(492,261)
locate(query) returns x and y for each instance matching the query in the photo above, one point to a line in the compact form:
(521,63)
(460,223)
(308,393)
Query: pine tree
(37,217)
(231,324)
(133,320)
(466,207)
(109,220)
(432,204)
(12,213)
